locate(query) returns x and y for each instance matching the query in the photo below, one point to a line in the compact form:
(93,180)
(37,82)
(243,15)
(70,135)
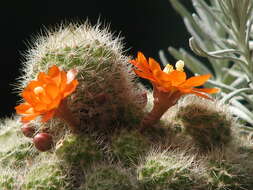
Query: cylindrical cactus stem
(64,113)
(162,102)
(152,117)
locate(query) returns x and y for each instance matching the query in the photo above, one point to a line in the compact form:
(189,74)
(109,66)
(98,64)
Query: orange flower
(170,79)
(169,85)
(44,95)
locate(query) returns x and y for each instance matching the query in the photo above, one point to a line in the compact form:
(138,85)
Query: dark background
(147,25)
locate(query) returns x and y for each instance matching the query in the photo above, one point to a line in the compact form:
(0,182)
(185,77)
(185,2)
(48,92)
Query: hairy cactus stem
(162,102)
(65,114)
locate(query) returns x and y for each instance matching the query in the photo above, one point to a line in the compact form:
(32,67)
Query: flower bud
(43,141)
(28,130)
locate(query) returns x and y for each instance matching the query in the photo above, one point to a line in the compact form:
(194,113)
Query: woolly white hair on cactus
(107,91)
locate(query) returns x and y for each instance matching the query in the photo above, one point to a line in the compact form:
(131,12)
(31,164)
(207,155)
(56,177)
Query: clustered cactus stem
(64,113)
(83,106)
(162,102)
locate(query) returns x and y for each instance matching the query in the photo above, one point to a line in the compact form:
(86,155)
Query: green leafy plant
(221,32)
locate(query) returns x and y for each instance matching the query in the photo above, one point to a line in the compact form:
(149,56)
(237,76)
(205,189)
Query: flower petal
(28,118)
(141,63)
(63,81)
(162,76)
(52,91)
(30,97)
(44,95)
(177,77)
(71,75)
(145,75)
(43,78)
(33,84)
(45,98)
(40,107)
(154,65)
(202,95)
(55,103)
(207,90)
(70,88)
(141,58)
(22,108)
(53,71)
(195,81)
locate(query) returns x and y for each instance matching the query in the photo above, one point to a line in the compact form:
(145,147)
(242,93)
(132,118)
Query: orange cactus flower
(44,95)
(170,79)
(169,85)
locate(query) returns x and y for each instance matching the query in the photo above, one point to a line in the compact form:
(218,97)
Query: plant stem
(162,102)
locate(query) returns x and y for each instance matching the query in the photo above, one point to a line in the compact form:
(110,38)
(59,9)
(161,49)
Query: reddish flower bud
(28,130)
(43,141)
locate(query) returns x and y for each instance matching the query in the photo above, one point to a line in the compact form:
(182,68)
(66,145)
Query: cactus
(16,150)
(46,176)
(108,178)
(226,169)
(129,146)
(18,156)
(168,170)
(10,134)
(221,176)
(7,180)
(79,150)
(106,92)
(207,122)
(113,148)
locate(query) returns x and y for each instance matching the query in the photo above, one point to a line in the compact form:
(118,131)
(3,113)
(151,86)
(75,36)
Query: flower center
(179,67)
(168,68)
(38,90)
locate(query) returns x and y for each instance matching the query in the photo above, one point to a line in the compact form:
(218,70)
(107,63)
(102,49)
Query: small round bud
(28,130)
(43,141)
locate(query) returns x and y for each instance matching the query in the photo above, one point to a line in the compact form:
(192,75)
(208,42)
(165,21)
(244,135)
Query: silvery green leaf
(184,13)
(235,93)
(197,35)
(221,85)
(163,58)
(222,32)
(234,102)
(175,53)
(190,62)
(234,72)
(239,82)
(199,51)
(239,113)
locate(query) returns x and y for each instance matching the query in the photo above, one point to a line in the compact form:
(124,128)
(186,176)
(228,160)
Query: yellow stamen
(180,65)
(168,68)
(29,111)
(38,90)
